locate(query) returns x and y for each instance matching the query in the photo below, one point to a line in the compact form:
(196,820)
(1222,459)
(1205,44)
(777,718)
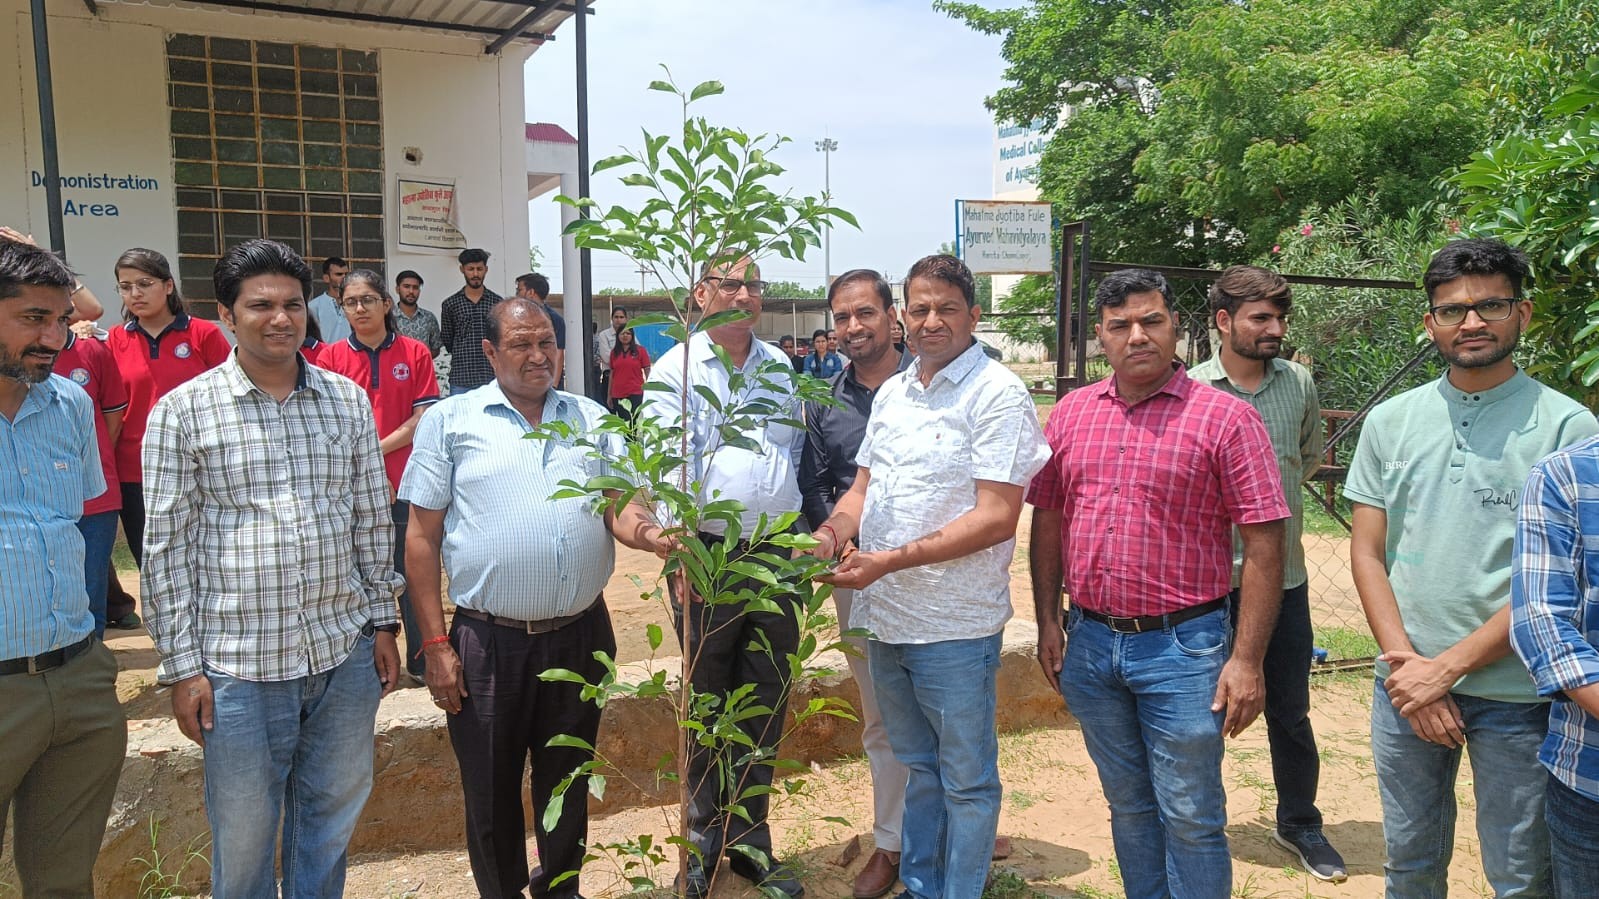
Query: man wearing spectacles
(1436,481)
(763,477)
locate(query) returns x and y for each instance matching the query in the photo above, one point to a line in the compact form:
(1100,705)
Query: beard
(17,368)
(474,283)
(1481,357)
(1259,350)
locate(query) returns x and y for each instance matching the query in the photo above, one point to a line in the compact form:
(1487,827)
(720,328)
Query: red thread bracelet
(431,641)
(829,529)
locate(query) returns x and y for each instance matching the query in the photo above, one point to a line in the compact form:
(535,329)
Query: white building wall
(440,93)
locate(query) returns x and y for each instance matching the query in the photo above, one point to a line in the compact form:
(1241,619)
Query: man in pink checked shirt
(1133,516)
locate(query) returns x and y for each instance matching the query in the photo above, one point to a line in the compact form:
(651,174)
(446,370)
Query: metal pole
(1082,307)
(585,262)
(826,146)
(47,128)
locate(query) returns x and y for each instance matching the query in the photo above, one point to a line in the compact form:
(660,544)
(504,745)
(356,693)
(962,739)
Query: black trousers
(119,603)
(505,721)
(1295,765)
(720,641)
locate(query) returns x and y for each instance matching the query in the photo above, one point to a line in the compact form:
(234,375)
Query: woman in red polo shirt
(397,374)
(158,347)
(630,365)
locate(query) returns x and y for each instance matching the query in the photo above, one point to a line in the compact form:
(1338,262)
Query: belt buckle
(1138,625)
(527,627)
(33,667)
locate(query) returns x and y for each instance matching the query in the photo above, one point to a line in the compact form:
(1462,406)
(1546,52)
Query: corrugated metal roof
(484,18)
(549,133)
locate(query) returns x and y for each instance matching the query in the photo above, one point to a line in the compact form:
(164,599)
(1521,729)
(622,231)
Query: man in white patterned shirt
(270,584)
(950,446)
(525,576)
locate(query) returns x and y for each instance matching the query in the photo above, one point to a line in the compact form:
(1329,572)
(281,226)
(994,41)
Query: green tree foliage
(1203,128)
(793,290)
(1033,301)
(1538,188)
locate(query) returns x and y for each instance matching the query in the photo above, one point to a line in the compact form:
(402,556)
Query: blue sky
(898,85)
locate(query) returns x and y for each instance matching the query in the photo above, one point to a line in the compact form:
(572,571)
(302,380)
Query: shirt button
(1122,449)
(1115,490)
(1111,529)
(1465,424)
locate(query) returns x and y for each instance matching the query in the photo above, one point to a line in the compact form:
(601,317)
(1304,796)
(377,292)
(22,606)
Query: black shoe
(1315,853)
(774,876)
(128,622)
(691,881)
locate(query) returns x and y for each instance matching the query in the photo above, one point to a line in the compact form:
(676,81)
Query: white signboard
(1017,152)
(1006,238)
(427,214)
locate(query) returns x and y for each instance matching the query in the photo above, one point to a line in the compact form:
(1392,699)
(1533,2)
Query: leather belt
(545,626)
(45,661)
(1143,623)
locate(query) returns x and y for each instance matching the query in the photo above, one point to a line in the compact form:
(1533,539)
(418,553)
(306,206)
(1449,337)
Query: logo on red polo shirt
(80,376)
(401,371)
(182,351)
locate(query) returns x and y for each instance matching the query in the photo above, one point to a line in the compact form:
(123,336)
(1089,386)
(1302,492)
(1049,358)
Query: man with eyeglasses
(1436,481)
(763,477)
(325,308)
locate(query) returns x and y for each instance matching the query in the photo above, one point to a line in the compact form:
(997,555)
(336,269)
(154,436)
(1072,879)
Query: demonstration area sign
(1005,238)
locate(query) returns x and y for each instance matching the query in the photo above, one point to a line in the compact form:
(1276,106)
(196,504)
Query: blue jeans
(99,532)
(1143,702)
(937,702)
(1417,782)
(298,749)
(1573,833)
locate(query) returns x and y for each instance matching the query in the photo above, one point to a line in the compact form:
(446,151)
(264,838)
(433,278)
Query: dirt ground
(1053,809)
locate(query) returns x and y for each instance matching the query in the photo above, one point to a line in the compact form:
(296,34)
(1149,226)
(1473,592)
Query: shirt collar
(180,322)
(72,338)
(1213,371)
(905,360)
(360,347)
(1178,385)
(700,350)
(239,383)
(1511,387)
(555,402)
(956,371)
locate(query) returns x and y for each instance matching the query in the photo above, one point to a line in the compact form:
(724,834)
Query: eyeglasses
(731,286)
(1452,314)
(139,286)
(360,302)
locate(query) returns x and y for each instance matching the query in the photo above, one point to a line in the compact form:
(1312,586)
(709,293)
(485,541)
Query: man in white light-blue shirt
(526,571)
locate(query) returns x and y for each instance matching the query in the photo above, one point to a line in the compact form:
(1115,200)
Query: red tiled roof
(549,133)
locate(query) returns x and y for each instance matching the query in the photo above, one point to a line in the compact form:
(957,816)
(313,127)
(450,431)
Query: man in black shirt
(462,319)
(863,311)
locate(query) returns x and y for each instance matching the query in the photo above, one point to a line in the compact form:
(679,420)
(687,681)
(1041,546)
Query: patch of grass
(1346,643)
(1319,523)
(121,557)
(1007,884)
(163,872)
(1021,800)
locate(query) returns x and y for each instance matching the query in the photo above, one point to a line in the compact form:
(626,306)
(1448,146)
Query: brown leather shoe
(878,876)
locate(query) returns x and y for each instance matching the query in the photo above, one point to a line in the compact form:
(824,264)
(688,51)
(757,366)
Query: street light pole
(826,146)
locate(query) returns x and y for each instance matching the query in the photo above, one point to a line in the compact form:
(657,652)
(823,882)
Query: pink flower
(1454,226)
(1305,229)
(1277,248)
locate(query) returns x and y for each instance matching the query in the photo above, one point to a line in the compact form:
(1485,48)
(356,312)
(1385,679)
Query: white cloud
(898,85)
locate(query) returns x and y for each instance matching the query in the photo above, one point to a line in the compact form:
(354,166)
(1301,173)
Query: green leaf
(552,811)
(611,162)
(655,635)
(663,86)
(568,741)
(705,89)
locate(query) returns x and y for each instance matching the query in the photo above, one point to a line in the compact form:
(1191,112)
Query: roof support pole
(47,128)
(585,317)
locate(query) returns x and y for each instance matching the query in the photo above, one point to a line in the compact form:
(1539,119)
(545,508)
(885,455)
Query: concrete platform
(416,797)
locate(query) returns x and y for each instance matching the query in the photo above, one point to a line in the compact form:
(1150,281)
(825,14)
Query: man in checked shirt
(1134,513)
(270,584)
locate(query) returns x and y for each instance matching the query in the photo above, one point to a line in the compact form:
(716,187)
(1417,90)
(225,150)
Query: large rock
(416,795)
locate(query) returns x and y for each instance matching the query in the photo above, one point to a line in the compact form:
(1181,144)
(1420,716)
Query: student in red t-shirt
(159,347)
(88,363)
(630,365)
(397,373)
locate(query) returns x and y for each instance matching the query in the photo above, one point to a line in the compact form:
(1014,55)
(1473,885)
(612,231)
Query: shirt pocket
(328,464)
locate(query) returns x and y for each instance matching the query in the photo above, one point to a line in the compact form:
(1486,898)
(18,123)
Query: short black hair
(408,274)
(331,261)
(253,258)
(946,268)
(1116,287)
(24,265)
(494,321)
(468,257)
(785,337)
(1477,256)
(1241,284)
(871,276)
(535,282)
(819,332)
(621,309)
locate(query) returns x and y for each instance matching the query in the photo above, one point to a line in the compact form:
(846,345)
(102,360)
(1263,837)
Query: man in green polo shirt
(1249,307)
(1435,482)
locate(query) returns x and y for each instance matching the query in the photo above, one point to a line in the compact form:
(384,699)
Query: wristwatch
(388,628)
